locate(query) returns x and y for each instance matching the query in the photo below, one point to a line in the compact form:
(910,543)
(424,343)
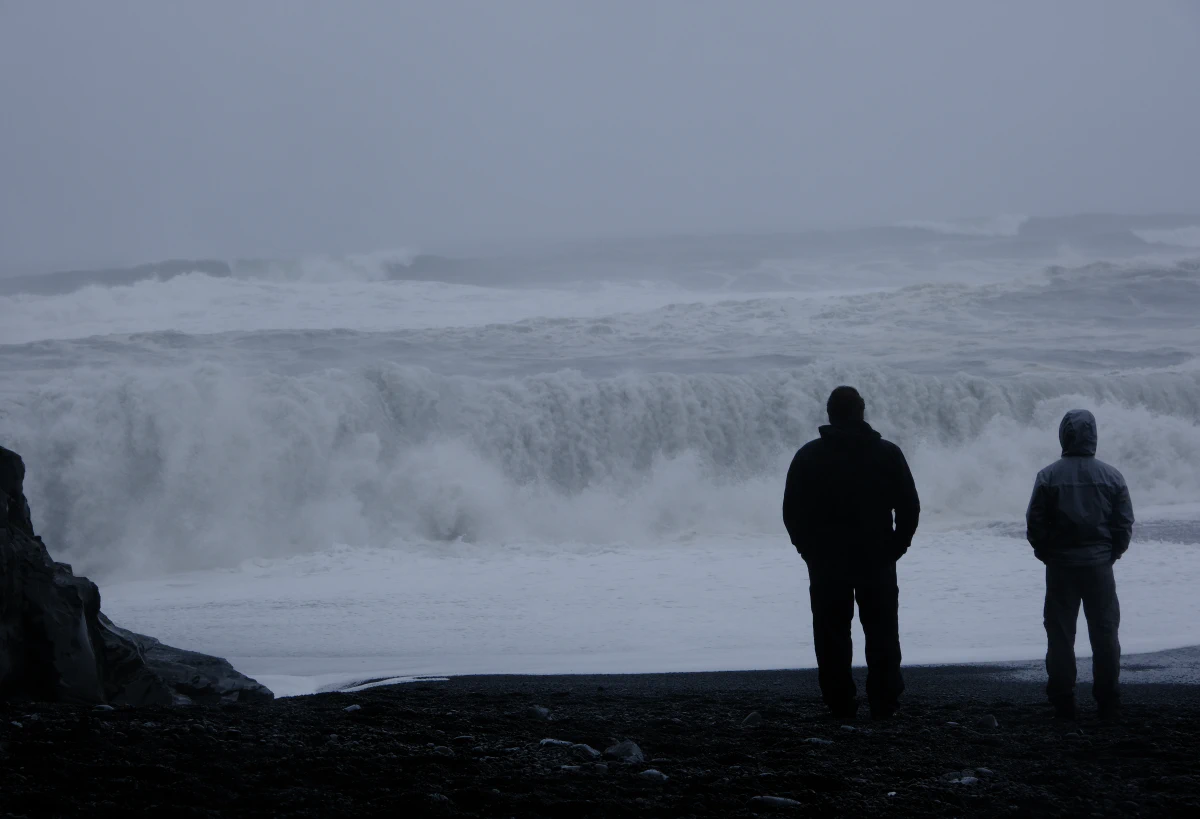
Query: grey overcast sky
(139,129)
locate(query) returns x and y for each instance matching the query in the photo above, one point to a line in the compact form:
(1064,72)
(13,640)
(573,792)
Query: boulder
(190,675)
(56,645)
(627,751)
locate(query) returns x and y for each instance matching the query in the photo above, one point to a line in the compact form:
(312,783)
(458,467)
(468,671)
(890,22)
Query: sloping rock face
(56,646)
(190,676)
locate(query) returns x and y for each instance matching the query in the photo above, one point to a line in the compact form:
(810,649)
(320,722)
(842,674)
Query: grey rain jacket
(1080,513)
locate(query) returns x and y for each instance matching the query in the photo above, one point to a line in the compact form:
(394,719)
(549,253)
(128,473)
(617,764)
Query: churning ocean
(570,457)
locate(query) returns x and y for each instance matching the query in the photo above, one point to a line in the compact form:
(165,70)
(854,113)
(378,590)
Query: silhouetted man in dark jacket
(842,490)
(1079,522)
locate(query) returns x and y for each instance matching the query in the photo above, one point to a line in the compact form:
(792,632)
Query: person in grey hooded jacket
(1079,522)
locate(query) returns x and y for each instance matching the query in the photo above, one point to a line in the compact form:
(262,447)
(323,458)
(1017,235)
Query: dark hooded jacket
(1080,513)
(842,489)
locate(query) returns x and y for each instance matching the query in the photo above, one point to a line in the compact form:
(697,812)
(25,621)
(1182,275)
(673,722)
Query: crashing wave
(206,467)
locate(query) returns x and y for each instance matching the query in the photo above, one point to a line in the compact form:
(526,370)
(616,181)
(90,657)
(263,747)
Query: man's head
(845,406)
(1077,433)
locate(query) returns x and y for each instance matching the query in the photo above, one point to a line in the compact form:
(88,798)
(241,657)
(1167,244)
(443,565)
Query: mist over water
(197,419)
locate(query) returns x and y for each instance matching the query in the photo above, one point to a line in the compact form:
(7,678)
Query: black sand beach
(970,741)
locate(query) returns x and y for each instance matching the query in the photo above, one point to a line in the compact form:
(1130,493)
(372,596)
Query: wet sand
(970,741)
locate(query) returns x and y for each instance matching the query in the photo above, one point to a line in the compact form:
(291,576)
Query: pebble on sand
(966,777)
(585,752)
(627,751)
(986,723)
(775,802)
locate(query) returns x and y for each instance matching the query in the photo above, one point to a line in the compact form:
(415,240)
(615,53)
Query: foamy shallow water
(349,615)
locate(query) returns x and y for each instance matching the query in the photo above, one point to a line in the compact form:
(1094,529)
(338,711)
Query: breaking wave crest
(148,471)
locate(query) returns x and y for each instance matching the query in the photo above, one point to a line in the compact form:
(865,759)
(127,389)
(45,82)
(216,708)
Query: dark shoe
(844,711)
(881,712)
(1066,711)
(1110,711)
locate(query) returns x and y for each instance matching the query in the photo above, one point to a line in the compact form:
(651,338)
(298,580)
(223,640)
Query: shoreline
(1174,666)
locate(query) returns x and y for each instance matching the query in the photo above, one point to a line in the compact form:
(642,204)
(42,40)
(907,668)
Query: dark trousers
(833,588)
(1096,588)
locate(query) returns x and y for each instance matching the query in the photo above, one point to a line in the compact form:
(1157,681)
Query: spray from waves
(1177,237)
(379,266)
(201,468)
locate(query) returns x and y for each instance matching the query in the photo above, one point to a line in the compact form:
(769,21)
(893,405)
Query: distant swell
(68,281)
(1178,237)
(995,226)
(204,467)
(701,260)
(379,266)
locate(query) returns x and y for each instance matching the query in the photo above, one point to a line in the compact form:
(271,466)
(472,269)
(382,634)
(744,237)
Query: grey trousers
(1096,588)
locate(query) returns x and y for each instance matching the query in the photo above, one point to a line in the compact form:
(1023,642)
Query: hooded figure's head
(1077,433)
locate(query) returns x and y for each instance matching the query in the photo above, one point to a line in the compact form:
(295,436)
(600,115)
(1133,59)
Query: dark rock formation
(190,675)
(55,645)
(14,509)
